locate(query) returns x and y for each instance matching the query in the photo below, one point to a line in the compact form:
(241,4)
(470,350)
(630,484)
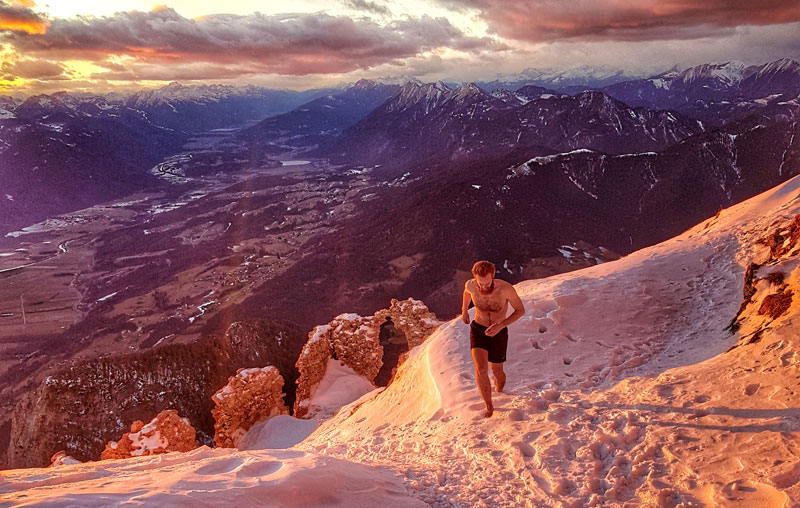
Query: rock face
(354,340)
(350,338)
(770,282)
(252,395)
(167,432)
(79,408)
(412,318)
(311,365)
(355,344)
(62,459)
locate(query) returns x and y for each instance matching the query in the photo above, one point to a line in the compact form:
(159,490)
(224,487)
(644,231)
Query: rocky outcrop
(252,395)
(354,340)
(350,338)
(782,240)
(61,458)
(167,432)
(769,283)
(412,318)
(355,344)
(775,305)
(80,407)
(311,365)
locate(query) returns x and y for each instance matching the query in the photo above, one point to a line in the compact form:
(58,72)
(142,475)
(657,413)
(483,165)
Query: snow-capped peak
(727,74)
(782,65)
(468,90)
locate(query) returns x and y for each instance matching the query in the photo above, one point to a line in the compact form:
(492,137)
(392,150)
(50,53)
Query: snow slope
(623,390)
(208,477)
(620,390)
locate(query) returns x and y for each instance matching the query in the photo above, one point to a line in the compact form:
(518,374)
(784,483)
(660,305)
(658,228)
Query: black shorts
(496,346)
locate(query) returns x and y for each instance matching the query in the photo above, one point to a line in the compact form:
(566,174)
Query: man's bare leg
(499,376)
(481,359)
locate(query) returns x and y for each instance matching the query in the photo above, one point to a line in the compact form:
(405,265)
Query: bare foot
(498,387)
(489,411)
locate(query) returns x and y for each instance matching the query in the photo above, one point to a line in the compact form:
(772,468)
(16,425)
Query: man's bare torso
(491,308)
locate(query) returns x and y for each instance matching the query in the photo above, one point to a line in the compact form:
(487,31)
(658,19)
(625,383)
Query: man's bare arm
(465,299)
(516,302)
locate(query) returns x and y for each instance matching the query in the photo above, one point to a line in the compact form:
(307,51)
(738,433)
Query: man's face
(485,283)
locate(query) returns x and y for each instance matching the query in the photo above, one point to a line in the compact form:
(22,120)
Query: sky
(100,46)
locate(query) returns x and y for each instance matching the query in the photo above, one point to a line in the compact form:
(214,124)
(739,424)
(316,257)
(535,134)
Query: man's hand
(493,329)
(465,317)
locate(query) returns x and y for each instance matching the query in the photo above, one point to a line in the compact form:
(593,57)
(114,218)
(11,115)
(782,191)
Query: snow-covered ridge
(556,77)
(727,75)
(618,376)
(183,93)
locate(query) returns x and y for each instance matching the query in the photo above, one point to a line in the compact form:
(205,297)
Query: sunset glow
(101,45)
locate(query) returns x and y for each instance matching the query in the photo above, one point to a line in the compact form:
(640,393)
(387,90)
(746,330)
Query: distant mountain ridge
(717,92)
(429,123)
(321,118)
(571,80)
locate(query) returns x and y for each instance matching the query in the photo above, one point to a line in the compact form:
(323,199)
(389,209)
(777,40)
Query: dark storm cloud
(550,20)
(295,44)
(17,16)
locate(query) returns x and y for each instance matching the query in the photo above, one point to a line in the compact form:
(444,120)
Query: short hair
(483,268)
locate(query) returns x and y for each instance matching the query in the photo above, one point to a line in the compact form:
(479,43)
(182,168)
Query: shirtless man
(488,334)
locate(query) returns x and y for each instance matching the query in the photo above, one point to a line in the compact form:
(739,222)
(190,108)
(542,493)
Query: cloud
(367,6)
(17,16)
(189,71)
(597,20)
(34,69)
(291,44)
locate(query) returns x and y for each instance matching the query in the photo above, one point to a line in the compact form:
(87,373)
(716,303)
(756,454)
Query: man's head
(484,276)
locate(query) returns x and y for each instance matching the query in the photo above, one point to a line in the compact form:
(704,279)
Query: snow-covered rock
(62,459)
(412,318)
(771,282)
(251,395)
(167,432)
(354,341)
(350,338)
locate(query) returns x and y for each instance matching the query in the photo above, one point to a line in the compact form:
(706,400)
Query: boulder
(167,432)
(251,395)
(62,459)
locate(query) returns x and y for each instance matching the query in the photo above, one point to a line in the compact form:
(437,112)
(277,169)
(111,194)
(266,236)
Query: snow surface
(208,477)
(622,391)
(339,386)
(278,432)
